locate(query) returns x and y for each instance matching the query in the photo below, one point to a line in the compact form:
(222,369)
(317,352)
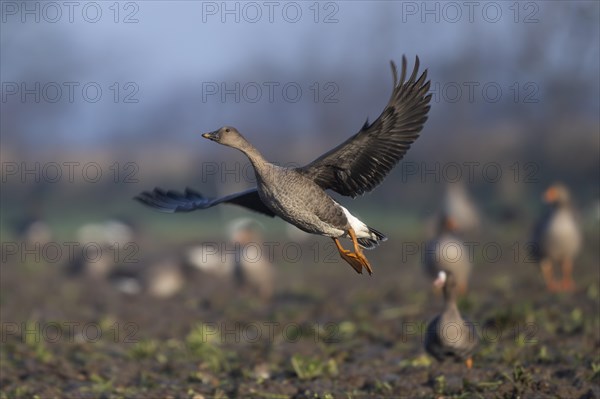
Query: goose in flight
(357,166)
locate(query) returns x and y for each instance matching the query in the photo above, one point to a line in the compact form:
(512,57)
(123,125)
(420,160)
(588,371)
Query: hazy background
(543,57)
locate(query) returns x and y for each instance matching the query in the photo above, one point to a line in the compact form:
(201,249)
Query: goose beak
(440,280)
(451,224)
(210,135)
(550,195)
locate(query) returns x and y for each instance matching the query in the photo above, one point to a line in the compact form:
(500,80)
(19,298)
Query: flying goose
(556,238)
(448,335)
(357,166)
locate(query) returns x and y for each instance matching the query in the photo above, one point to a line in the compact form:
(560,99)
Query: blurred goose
(446,252)
(252,266)
(556,238)
(208,259)
(357,166)
(165,277)
(101,245)
(159,275)
(448,335)
(245,261)
(459,206)
(33,231)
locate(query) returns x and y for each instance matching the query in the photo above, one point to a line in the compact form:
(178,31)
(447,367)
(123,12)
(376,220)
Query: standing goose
(460,207)
(448,335)
(357,166)
(447,252)
(556,238)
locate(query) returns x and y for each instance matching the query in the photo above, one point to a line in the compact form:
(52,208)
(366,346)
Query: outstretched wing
(360,163)
(173,201)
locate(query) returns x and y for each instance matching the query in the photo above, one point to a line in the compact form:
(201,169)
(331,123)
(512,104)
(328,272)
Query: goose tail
(373,241)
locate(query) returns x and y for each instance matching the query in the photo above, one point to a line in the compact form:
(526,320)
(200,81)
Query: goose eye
(227,130)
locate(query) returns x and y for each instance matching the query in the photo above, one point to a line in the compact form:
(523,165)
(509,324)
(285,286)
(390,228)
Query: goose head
(557,194)
(226,135)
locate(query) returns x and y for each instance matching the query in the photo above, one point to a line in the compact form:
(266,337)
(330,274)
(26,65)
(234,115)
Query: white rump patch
(361,229)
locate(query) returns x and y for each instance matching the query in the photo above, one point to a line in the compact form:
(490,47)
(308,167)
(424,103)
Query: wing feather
(360,163)
(191,200)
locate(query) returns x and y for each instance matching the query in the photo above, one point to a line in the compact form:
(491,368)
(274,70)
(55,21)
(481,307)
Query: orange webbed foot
(355,259)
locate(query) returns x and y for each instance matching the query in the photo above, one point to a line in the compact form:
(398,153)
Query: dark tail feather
(370,243)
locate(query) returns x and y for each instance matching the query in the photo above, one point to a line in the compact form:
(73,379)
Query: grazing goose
(448,335)
(357,166)
(446,252)
(556,238)
(158,275)
(102,245)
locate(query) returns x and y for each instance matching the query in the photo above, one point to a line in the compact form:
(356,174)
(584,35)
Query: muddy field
(326,333)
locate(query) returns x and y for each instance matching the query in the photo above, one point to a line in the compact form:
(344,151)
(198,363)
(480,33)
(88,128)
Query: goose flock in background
(556,240)
(163,273)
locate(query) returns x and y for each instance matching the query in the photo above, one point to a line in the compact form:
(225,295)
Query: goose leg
(548,275)
(358,251)
(349,257)
(567,283)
